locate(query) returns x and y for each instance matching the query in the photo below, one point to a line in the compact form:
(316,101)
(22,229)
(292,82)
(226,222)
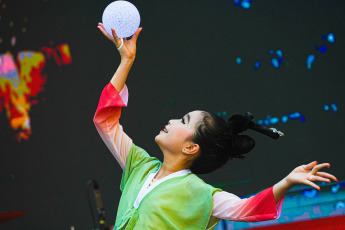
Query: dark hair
(219,141)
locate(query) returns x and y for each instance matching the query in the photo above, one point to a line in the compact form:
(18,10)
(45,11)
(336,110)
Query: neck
(170,168)
(171,165)
(174,162)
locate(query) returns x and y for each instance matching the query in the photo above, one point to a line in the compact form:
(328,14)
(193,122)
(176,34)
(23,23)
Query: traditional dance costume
(178,201)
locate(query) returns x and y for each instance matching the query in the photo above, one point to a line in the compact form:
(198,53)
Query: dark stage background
(195,54)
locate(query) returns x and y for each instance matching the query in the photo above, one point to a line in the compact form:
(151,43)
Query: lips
(165,129)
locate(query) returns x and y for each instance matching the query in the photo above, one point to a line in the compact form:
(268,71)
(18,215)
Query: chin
(157,139)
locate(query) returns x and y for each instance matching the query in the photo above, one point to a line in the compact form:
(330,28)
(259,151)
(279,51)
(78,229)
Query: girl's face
(176,136)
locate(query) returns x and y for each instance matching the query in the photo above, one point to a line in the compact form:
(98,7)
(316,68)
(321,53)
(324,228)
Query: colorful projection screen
(283,61)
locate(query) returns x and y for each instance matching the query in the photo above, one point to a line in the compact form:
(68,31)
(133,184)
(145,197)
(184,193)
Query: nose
(171,122)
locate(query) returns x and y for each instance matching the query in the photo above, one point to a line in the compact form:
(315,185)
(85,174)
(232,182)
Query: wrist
(127,60)
(281,188)
(287,183)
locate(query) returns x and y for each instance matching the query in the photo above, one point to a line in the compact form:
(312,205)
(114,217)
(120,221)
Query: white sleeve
(107,124)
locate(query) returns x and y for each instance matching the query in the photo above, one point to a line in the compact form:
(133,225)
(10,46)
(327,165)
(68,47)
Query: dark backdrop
(186,60)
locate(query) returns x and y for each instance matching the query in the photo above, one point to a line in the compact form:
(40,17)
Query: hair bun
(241,144)
(239,123)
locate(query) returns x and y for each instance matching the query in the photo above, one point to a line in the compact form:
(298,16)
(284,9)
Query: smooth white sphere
(123,16)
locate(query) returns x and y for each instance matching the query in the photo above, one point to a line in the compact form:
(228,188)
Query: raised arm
(106,120)
(113,98)
(127,52)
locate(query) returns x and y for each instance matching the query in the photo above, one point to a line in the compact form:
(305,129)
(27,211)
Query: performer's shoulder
(199,183)
(137,157)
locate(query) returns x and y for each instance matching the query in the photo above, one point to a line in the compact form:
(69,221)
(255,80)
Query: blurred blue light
(279,53)
(334,107)
(275,63)
(284,119)
(236,2)
(323,49)
(274,120)
(294,116)
(310,60)
(335,188)
(302,118)
(330,38)
(245,5)
(339,205)
(238,60)
(310,193)
(257,65)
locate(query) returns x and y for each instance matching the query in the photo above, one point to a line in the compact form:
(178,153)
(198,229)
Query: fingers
(319,178)
(326,175)
(308,182)
(118,42)
(319,166)
(102,29)
(310,166)
(117,39)
(101,24)
(114,38)
(136,34)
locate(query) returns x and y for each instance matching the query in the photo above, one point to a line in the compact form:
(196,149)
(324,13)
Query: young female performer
(169,195)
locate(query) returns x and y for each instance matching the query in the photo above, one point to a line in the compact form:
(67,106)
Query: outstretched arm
(260,207)
(113,98)
(267,204)
(304,174)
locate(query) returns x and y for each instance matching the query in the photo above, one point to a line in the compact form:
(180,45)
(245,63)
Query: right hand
(306,174)
(129,48)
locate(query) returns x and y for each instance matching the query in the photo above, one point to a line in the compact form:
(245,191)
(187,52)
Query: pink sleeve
(260,207)
(106,120)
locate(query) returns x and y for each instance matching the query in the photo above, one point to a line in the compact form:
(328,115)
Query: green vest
(183,202)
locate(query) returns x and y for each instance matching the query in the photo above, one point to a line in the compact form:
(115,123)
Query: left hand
(128,51)
(306,174)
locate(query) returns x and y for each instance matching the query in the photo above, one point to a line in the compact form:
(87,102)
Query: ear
(191,149)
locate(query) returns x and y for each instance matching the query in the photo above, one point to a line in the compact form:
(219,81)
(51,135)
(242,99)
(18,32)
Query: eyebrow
(188,117)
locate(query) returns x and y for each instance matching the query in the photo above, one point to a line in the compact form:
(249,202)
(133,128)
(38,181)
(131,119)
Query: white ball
(123,16)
